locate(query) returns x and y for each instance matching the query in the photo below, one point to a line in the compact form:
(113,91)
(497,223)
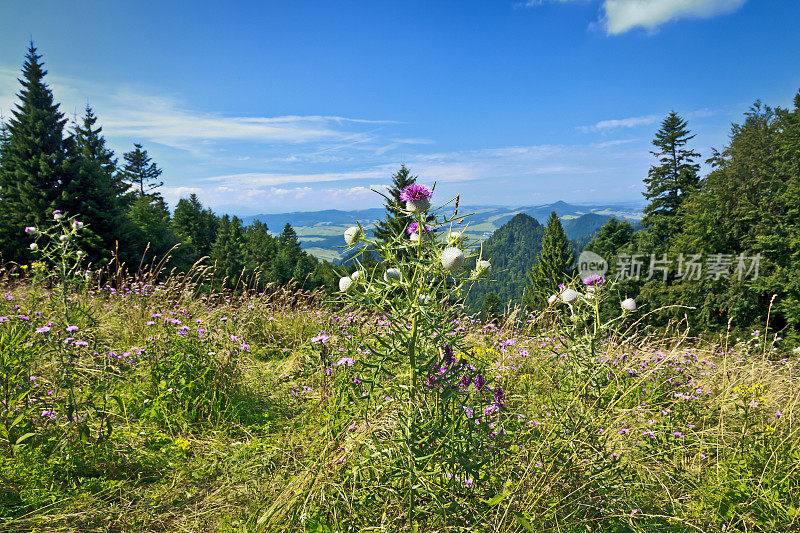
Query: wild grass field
(131,404)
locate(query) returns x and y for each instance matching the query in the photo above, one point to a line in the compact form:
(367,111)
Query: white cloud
(621,16)
(630,122)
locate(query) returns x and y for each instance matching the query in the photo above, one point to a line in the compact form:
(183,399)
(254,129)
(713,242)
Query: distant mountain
(513,249)
(320,232)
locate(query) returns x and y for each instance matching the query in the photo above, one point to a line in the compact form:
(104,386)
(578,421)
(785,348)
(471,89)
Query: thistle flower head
(34,247)
(63,238)
(352,235)
(355,276)
(552,299)
(594,279)
(391,274)
(452,258)
(345,283)
(483,268)
(414,228)
(629,304)
(30,230)
(569,295)
(455,238)
(77,224)
(57,215)
(417,197)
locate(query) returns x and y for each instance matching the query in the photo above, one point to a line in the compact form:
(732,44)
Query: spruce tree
(141,172)
(228,252)
(555,265)
(95,192)
(34,168)
(671,181)
(388,229)
(196,226)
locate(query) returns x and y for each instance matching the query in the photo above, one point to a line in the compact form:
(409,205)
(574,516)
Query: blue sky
(302,105)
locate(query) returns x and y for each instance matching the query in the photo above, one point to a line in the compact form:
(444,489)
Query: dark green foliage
(614,236)
(141,172)
(35,168)
(492,308)
(228,252)
(555,265)
(512,250)
(197,227)
(153,235)
(671,181)
(395,222)
(95,193)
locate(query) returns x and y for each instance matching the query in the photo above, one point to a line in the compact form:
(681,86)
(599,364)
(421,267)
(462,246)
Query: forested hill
(512,250)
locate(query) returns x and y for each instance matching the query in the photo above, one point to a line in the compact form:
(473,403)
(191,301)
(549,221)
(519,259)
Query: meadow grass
(171,407)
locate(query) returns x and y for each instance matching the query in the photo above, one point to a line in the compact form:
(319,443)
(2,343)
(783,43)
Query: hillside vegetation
(160,406)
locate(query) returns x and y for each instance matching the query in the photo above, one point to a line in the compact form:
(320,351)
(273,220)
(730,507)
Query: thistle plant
(419,364)
(61,263)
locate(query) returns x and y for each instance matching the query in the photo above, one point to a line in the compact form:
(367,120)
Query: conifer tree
(555,265)
(34,168)
(228,253)
(671,181)
(196,226)
(388,229)
(141,172)
(95,192)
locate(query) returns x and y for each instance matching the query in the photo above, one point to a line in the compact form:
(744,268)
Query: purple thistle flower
(415,192)
(594,279)
(414,228)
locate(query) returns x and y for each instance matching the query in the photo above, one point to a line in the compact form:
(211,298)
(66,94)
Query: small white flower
(552,299)
(34,246)
(455,238)
(569,295)
(628,304)
(483,268)
(352,235)
(421,205)
(452,258)
(391,274)
(345,283)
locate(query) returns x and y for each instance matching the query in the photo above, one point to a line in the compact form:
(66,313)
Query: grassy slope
(281,434)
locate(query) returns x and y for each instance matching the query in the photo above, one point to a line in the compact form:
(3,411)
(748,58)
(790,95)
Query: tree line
(718,251)
(48,164)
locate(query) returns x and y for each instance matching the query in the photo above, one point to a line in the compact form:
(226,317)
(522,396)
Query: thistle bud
(452,259)
(345,283)
(352,235)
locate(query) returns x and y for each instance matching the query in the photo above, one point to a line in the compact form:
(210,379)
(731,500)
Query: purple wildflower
(71,328)
(347,361)
(322,338)
(414,228)
(415,192)
(480,381)
(43,329)
(594,279)
(499,396)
